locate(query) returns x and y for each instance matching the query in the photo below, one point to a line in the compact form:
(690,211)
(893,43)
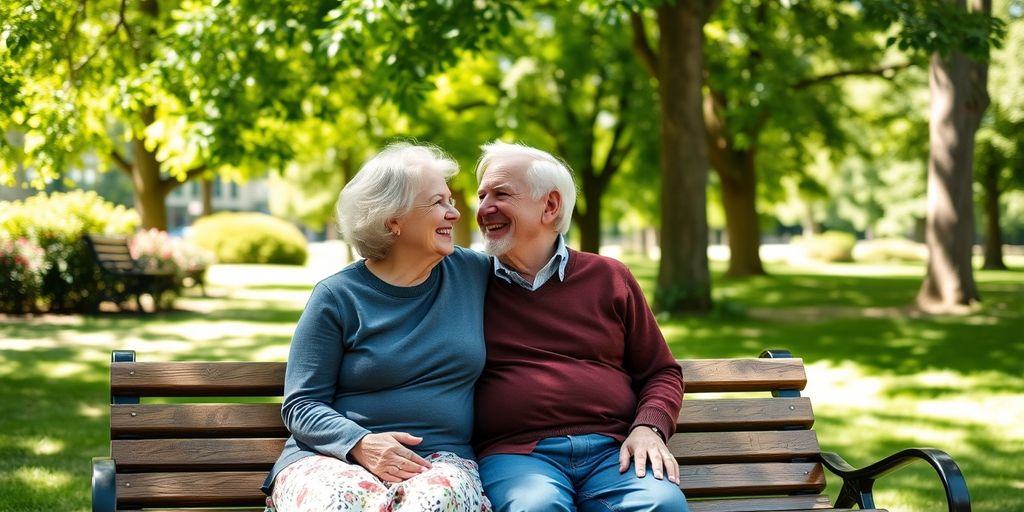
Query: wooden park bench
(736,454)
(125,277)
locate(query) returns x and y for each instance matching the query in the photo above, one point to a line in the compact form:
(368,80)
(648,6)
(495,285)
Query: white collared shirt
(555,266)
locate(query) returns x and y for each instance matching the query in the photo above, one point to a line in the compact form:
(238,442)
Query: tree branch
(113,31)
(121,162)
(878,71)
(641,45)
(616,152)
(168,183)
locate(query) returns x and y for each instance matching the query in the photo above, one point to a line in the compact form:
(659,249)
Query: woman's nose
(453,213)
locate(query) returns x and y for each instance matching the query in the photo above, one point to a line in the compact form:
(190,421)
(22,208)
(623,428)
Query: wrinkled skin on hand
(386,456)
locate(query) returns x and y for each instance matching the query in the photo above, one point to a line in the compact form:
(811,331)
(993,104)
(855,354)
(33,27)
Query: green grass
(881,378)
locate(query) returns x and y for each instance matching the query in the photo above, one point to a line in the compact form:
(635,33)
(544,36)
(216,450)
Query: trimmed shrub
(250,237)
(57,223)
(22,263)
(883,250)
(830,246)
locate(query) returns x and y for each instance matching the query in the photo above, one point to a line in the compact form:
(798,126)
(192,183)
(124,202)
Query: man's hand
(644,445)
(386,456)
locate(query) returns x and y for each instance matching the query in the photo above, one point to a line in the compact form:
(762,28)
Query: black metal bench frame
(125,277)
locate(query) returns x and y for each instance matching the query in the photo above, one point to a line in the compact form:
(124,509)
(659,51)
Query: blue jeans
(570,473)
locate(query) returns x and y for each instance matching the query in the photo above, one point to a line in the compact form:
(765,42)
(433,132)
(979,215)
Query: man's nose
(486,207)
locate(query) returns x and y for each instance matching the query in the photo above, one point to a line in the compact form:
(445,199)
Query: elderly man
(579,392)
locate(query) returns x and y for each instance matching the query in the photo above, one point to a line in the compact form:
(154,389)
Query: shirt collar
(555,266)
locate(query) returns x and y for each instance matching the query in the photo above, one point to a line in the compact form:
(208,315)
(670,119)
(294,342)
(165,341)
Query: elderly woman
(379,383)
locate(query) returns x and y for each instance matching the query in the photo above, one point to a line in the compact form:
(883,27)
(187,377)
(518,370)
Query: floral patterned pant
(321,483)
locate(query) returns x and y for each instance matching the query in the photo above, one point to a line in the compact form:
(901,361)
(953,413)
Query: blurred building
(185,203)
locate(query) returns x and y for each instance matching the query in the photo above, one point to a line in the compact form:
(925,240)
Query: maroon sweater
(580,356)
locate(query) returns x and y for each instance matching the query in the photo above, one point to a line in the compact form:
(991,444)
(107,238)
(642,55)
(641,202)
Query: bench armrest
(104,485)
(857,483)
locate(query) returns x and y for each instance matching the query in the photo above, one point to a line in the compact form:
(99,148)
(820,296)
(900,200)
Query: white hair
(384,189)
(544,173)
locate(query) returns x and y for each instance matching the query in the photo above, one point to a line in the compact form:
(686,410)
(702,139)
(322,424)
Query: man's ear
(552,205)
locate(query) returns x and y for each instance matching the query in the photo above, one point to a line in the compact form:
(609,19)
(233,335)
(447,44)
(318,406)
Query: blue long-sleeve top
(368,357)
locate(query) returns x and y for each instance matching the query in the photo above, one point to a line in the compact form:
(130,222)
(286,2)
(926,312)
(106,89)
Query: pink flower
(370,486)
(439,480)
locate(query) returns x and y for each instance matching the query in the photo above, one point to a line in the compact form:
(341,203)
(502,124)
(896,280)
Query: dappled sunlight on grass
(41,446)
(39,479)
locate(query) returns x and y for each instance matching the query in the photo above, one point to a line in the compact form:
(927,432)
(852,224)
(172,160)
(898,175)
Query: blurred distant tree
(777,67)
(999,156)
(574,87)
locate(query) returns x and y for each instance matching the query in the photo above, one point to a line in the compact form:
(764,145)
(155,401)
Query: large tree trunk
(958,98)
(684,281)
(993,235)
(150,192)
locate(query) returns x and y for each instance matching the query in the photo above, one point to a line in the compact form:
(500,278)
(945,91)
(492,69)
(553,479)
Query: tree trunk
(150,193)
(958,98)
(993,235)
(684,281)
(739,197)
(737,171)
(207,189)
(463,230)
(589,221)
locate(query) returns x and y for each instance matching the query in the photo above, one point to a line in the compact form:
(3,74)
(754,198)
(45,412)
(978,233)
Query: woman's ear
(392,225)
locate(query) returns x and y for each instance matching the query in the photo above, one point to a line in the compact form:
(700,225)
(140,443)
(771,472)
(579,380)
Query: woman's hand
(386,456)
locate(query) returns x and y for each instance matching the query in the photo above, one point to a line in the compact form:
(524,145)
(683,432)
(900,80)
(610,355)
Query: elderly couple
(391,397)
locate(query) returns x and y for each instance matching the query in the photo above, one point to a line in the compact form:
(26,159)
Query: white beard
(497,247)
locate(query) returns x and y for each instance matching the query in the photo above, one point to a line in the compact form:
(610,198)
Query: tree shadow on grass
(984,458)
(53,419)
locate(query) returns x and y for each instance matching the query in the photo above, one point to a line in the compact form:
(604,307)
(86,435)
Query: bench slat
(196,454)
(749,479)
(774,503)
(724,414)
(228,488)
(197,379)
(732,447)
(725,375)
(196,420)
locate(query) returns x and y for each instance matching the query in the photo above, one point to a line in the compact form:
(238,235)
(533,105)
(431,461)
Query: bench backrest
(209,449)
(111,253)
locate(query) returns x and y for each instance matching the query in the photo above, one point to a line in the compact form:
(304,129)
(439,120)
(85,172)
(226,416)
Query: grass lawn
(881,378)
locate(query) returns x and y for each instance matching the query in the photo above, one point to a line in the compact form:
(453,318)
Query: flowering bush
(22,263)
(57,223)
(156,250)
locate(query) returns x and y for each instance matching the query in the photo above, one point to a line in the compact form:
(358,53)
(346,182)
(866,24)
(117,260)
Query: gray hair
(385,189)
(544,173)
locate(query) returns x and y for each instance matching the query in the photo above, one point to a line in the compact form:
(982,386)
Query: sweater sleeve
(311,379)
(656,375)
